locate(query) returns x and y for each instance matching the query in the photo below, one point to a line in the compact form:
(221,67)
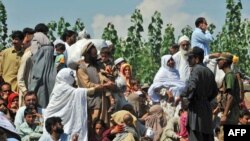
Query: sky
(97,13)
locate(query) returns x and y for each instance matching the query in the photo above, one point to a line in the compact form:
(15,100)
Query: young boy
(106,70)
(29,130)
(60,59)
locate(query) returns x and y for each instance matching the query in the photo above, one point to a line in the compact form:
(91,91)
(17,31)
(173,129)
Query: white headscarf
(69,103)
(38,41)
(166,77)
(165,72)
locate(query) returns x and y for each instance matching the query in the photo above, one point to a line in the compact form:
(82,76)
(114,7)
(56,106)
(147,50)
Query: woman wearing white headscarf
(70,104)
(166,77)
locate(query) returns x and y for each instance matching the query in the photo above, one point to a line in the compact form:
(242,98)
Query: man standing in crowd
(230,90)
(25,65)
(181,63)
(89,75)
(10,62)
(201,37)
(69,38)
(200,90)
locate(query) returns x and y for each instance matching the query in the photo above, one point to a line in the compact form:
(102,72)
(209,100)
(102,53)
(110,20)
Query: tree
(3,26)
(133,42)
(168,39)
(56,29)
(110,33)
(235,35)
(155,37)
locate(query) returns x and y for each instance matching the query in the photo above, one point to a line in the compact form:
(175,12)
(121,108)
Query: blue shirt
(201,40)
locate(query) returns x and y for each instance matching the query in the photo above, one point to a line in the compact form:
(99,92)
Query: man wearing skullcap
(180,59)
(201,37)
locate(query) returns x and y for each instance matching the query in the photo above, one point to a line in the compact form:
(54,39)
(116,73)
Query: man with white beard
(181,63)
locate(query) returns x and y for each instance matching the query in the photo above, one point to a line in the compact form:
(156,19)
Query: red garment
(11,98)
(183,123)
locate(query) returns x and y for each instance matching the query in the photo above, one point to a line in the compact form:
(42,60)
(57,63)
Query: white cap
(57,41)
(183,38)
(109,43)
(119,60)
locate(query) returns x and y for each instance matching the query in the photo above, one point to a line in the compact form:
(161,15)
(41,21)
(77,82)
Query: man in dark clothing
(200,90)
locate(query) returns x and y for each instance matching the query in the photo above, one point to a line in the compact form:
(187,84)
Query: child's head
(29,116)
(60,48)
(128,120)
(135,84)
(99,127)
(105,54)
(244,117)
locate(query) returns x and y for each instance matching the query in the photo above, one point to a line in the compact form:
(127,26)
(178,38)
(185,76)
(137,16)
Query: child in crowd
(13,105)
(60,58)
(29,130)
(129,132)
(106,70)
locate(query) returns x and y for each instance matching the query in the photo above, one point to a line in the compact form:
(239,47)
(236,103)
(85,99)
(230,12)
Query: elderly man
(200,90)
(181,63)
(201,37)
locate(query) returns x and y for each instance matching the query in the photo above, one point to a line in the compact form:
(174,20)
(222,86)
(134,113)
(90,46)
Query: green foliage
(134,43)
(110,33)
(56,29)
(79,25)
(187,30)
(3,27)
(168,39)
(155,37)
(235,35)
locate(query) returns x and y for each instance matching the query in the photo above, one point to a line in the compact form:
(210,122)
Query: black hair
(105,50)
(199,21)
(41,27)
(17,34)
(29,93)
(5,83)
(175,46)
(244,113)
(60,46)
(28,111)
(51,122)
(28,30)
(99,121)
(68,33)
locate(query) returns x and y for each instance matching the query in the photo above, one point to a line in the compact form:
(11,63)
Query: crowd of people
(73,89)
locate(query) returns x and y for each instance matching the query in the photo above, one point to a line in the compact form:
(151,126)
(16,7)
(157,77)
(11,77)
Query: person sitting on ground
(29,130)
(129,133)
(244,118)
(13,105)
(5,91)
(30,101)
(54,127)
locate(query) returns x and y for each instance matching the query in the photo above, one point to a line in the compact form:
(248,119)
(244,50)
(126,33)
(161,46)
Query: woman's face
(15,102)
(171,63)
(127,72)
(98,129)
